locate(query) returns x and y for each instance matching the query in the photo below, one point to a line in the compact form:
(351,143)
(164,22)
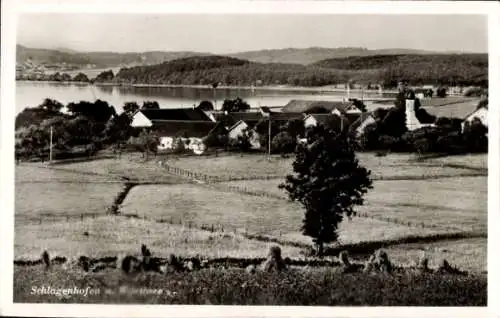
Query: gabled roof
(302,106)
(184,128)
(175,114)
(456,110)
(229,120)
(355,124)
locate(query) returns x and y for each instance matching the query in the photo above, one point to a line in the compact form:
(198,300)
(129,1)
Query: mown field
(115,235)
(416,201)
(227,166)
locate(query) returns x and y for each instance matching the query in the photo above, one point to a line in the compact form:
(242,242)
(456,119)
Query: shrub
(283,143)
(441,92)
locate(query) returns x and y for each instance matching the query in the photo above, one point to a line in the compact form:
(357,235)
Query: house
(190,133)
(171,125)
(357,128)
(144,117)
(335,122)
(277,121)
(334,107)
(481,113)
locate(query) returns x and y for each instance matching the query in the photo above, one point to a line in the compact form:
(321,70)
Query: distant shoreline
(243,87)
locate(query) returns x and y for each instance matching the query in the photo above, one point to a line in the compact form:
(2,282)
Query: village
(193,126)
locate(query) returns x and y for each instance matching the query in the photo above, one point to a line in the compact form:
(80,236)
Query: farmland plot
(459,203)
(114,235)
(130,168)
(201,206)
(44,202)
(391,166)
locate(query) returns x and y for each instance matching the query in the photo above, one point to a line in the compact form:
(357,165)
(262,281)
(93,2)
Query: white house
(480,114)
(237,130)
(139,120)
(412,122)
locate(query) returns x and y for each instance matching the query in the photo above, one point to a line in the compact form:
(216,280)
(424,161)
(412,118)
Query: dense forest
(451,69)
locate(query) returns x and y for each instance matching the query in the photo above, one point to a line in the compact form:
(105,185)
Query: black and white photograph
(250,158)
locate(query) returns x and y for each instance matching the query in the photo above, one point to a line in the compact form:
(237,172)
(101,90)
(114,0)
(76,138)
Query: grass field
(417,201)
(49,201)
(114,235)
(468,254)
(276,218)
(40,173)
(130,166)
(90,188)
(255,166)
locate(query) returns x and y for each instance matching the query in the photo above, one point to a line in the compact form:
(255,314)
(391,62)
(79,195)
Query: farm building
(334,107)
(145,117)
(190,133)
(185,125)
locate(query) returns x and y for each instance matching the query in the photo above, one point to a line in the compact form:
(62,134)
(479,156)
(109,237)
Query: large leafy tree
(328,181)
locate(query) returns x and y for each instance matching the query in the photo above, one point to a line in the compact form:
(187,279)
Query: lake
(30,94)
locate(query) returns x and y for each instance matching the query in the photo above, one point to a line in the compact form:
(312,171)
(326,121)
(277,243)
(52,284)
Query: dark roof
(301,106)
(184,128)
(251,118)
(175,114)
(286,116)
(262,127)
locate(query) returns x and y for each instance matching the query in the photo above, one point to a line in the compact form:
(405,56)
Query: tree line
(446,69)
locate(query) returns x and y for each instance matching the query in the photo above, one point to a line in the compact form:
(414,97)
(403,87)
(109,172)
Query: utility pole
(269,138)
(50,146)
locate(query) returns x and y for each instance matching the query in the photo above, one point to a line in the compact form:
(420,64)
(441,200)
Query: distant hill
(315,54)
(448,69)
(96,59)
(302,56)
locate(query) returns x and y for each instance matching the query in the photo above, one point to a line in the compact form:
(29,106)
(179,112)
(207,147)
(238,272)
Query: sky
(230,33)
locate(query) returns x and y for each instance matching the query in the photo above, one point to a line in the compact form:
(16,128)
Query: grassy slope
(114,235)
(235,287)
(264,216)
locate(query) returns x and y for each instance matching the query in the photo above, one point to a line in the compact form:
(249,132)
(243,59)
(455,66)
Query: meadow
(115,235)
(255,166)
(63,209)
(416,201)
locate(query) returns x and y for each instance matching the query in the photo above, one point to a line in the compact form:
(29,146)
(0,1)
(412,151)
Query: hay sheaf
(378,262)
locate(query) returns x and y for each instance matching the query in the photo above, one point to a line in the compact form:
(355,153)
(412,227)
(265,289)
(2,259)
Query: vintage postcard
(283,159)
